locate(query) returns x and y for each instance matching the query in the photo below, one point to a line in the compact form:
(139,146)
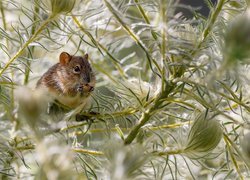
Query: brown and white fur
(70,81)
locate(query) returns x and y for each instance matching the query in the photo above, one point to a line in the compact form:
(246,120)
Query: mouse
(70,81)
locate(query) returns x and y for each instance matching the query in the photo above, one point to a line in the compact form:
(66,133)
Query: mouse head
(79,71)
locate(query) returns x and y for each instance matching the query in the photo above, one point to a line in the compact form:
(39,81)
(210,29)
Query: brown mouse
(70,81)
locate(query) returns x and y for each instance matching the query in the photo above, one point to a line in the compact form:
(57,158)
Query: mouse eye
(77,69)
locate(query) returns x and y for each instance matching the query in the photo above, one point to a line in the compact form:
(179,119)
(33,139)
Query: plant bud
(123,161)
(204,136)
(245,144)
(55,161)
(60,6)
(237,40)
(31,104)
(248,3)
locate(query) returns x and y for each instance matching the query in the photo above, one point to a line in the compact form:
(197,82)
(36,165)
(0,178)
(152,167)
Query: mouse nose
(88,88)
(91,88)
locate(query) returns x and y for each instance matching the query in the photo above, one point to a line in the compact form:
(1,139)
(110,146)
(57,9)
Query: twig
(99,45)
(149,113)
(33,29)
(165,126)
(26,44)
(167,153)
(134,37)
(87,151)
(212,19)
(145,17)
(232,156)
(78,150)
(115,114)
(230,143)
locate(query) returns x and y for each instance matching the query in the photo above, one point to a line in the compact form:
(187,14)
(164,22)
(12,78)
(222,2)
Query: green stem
(87,151)
(145,17)
(126,112)
(27,68)
(229,145)
(4,21)
(236,100)
(7,45)
(212,19)
(167,153)
(155,128)
(163,31)
(135,38)
(78,150)
(97,44)
(149,113)
(26,44)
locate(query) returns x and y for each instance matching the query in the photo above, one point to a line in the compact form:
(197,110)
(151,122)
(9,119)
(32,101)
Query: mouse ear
(86,56)
(64,58)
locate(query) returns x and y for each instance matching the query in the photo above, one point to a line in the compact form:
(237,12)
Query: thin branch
(101,116)
(87,151)
(232,157)
(134,37)
(167,153)
(78,150)
(210,23)
(155,128)
(163,31)
(26,44)
(33,30)
(4,21)
(149,113)
(115,61)
(234,146)
(145,17)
